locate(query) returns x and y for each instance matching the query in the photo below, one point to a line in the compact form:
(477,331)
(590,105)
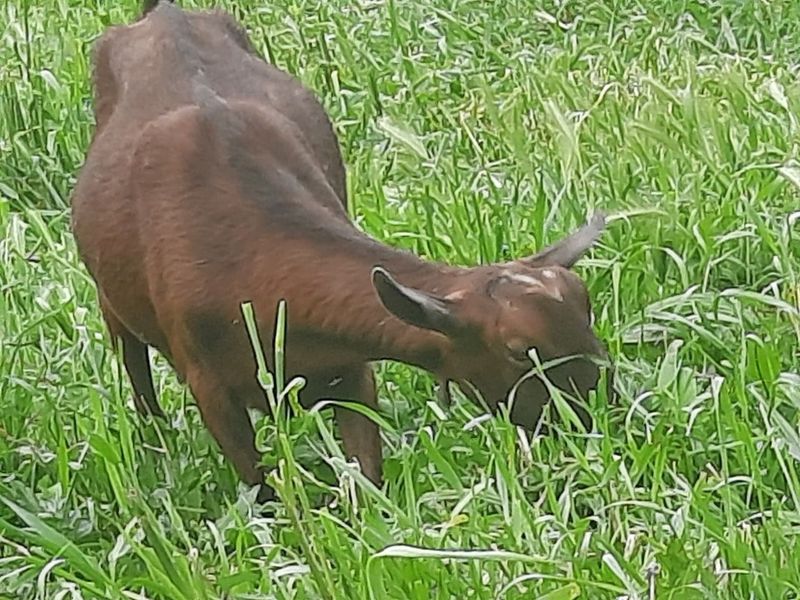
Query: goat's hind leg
(136,359)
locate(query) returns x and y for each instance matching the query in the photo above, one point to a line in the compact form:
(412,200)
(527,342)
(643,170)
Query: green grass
(472,131)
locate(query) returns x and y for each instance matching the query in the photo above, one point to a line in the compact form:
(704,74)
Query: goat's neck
(394,339)
(341,304)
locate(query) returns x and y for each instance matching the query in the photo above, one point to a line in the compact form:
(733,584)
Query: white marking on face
(551,289)
(527,280)
(556,294)
(455,296)
(334,382)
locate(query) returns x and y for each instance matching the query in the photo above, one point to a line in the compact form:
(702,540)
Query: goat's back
(148,68)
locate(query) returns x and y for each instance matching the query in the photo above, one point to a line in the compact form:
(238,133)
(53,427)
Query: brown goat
(213,179)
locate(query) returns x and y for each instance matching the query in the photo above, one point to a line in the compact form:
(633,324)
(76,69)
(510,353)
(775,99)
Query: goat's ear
(567,252)
(414,306)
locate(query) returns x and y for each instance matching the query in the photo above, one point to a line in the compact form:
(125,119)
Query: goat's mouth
(571,378)
(574,379)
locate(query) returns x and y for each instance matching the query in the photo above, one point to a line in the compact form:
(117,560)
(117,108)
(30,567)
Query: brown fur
(213,178)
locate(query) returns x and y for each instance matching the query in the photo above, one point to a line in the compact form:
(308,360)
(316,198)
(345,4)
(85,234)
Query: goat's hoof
(148,412)
(265,494)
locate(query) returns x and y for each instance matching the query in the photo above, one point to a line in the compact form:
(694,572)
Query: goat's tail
(148,5)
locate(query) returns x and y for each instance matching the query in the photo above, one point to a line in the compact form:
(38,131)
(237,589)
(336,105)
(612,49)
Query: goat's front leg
(226,417)
(360,435)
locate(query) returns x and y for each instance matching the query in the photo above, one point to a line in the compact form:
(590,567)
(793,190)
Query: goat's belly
(318,357)
(126,298)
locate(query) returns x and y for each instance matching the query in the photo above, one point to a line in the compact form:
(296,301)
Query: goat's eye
(518,353)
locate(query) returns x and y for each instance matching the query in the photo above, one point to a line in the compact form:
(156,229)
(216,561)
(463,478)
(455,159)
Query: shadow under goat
(214,179)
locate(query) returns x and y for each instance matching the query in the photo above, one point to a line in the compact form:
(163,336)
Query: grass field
(473,131)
